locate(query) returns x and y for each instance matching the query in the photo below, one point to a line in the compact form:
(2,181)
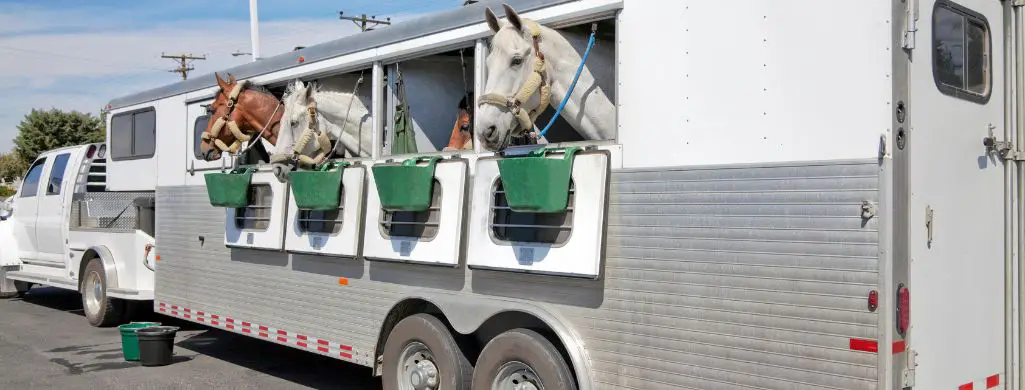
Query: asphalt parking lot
(46,343)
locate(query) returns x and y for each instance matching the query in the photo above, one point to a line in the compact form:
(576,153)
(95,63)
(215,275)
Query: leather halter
(225,119)
(537,82)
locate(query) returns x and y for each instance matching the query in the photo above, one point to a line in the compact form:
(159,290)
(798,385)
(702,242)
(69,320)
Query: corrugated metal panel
(737,277)
(401,31)
(715,278)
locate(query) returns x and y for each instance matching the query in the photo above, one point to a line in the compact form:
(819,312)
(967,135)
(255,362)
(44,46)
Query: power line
(362,20)
(186,63)
(55,54)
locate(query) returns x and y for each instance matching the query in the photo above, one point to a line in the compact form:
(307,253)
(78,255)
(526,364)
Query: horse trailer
(676,225)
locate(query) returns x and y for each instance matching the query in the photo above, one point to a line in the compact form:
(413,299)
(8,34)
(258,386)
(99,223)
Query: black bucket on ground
(156,345)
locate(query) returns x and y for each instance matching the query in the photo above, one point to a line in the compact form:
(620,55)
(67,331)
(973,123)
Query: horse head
(516,91)
(238,111)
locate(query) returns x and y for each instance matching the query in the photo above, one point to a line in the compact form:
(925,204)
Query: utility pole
(186,63)
(362,20)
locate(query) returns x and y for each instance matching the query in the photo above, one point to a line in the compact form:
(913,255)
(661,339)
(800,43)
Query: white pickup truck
(68,231)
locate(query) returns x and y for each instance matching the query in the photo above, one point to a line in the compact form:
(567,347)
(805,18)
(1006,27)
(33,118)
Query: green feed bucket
(129,340)
(406,187)
(229,189)
(535,183)
(320,189)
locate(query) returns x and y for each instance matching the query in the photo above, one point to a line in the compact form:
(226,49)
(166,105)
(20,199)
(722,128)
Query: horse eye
(516,61)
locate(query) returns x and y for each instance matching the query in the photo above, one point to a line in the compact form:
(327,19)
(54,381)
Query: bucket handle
(431,160)
(541,152)
(333,164)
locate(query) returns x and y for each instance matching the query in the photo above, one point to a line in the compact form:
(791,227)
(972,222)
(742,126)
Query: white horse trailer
(786,180)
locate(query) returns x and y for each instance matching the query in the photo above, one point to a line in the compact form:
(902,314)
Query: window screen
(961,52)
(133,135)
(30,186)
(60,164)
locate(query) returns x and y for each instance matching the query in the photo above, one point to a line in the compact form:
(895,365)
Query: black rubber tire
(454,369)
(528,347)
(110,308)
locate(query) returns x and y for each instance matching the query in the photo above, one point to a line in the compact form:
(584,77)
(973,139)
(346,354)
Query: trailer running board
(71,284)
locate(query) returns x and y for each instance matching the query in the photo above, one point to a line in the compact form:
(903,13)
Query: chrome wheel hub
(419,371)
(517,376)
(93,293)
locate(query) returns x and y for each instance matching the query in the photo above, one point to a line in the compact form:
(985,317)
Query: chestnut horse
(462,131)
(240,110)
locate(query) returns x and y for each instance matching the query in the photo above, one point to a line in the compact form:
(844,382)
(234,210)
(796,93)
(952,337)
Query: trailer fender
(466,316)
(109,266)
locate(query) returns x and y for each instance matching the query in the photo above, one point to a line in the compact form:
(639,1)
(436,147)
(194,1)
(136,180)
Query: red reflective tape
(230,326)
(300,337)
(322,349)
(283,333)
(163,310)
(214,316)
(345,355)
(283,339)
(301,344)
(264,328)
(200,319)
(966,386)
(231,320)
(263,334)
(187,310)
(174,307)
(174,313)
(215,322)
(345,347)
(993,381)
(898,346)
(199,313)
(322,342)
(246,324)
(163,304)
(245,330)
(864,345)
(188,316)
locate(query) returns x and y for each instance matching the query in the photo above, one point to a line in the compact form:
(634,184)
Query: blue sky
(76,55)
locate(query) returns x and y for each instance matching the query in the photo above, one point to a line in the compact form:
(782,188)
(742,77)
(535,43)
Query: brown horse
(239,111)
(462,131)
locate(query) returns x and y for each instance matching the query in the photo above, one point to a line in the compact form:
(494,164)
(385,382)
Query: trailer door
(955,280)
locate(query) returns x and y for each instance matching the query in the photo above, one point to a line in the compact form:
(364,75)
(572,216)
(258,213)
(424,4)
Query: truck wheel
(521,359)
(421,354)
(100,309)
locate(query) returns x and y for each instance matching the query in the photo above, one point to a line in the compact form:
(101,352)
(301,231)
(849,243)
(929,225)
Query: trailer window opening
(418,224)
(540,228)
(961,52)
(256,216)
(60,164)
(30,186)
(133,135)
(325,221)
(198,128)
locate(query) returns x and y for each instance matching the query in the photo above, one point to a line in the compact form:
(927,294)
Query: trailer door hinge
(910,24)
(928,226)
(868,209)
(907,377)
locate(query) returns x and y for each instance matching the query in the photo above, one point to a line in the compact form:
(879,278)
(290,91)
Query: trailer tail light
(89,152)
(873,300)
(903,309)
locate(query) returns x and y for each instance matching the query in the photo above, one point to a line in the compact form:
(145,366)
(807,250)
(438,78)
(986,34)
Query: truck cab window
(30,186)
(197,131)
(60,164)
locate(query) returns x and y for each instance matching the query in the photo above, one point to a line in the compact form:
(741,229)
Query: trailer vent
(256,216)
(327,221)
(544,228)
(419,224)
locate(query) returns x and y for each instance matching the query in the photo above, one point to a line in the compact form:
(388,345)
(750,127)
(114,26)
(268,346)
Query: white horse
(340,114)
(514,76)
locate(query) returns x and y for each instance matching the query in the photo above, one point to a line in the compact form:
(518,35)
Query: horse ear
(220,82)
(492,20)
(309,92)
(231,78)
(513,17)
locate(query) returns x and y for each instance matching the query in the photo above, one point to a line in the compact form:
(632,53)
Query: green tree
(43,130)
(11,166)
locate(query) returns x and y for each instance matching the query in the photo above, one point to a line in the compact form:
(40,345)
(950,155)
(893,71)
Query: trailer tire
(100,309)
(518,356)
(421,347)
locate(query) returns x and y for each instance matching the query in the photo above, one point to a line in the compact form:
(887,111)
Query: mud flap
(8,245)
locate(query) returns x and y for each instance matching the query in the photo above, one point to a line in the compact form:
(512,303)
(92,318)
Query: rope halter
(240,137)
(537,82)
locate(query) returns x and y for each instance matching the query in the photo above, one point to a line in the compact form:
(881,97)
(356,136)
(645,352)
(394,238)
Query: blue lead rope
(590,44)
